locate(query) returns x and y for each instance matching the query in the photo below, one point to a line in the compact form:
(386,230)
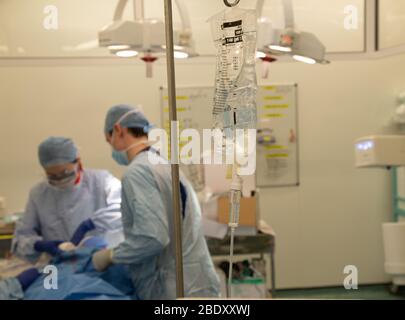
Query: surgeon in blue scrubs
(148,217)
(71,202)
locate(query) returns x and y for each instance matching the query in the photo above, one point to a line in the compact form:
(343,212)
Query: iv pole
(171,79)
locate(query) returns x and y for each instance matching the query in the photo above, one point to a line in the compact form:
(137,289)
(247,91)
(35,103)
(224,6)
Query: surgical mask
(121,157)
(63,181)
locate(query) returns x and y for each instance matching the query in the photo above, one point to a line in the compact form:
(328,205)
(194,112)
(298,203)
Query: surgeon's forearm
(136,250)
(10,289)
(23,246)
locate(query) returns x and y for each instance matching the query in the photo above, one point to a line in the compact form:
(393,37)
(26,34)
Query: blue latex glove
(27,277)
(50,247)
(82,229)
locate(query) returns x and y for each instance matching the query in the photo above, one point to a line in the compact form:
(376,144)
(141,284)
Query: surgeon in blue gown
(71,202)
(147,217)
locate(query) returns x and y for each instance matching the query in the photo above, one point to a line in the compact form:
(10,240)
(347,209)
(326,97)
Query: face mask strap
(135,145)
(126,115)
(119,122)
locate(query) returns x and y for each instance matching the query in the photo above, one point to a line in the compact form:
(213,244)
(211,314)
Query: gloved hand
(82,229)
(102,259)
(51,247)
(67,246)
(27,277)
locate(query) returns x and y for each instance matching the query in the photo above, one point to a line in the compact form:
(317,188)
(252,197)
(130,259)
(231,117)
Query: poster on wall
(277,136)
(194,106)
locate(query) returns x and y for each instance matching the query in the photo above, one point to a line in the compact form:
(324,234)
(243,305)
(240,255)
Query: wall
(333,219)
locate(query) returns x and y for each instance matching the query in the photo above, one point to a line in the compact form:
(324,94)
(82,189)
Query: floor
(371,292)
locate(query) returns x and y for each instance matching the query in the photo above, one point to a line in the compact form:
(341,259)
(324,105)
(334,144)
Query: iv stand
(171,79)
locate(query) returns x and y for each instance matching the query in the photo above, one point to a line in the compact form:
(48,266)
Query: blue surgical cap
(57,150)
(129,117)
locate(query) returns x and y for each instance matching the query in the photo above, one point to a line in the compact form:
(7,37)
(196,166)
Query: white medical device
(380,151)
(387,151)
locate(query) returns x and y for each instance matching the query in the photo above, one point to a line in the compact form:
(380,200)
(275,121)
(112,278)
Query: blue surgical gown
(76,280)
(148,249)
(55,215)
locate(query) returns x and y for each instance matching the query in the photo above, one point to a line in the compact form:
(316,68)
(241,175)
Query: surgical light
(308,48)
(126,53)
(128,38)
(182,52)
(302,46)
(304,59)
(175,47)
(276,47)
(180,55)
(118,47)
(260,54)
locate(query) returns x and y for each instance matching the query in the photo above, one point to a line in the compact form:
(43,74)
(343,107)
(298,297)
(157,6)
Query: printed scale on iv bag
(235,81)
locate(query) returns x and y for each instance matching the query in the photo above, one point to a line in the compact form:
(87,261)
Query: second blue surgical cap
(57,150)
(129,117)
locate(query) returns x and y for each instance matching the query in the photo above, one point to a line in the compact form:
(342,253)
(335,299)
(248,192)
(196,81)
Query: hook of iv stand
(234,4)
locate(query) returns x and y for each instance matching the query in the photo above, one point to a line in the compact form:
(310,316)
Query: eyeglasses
(65,174)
